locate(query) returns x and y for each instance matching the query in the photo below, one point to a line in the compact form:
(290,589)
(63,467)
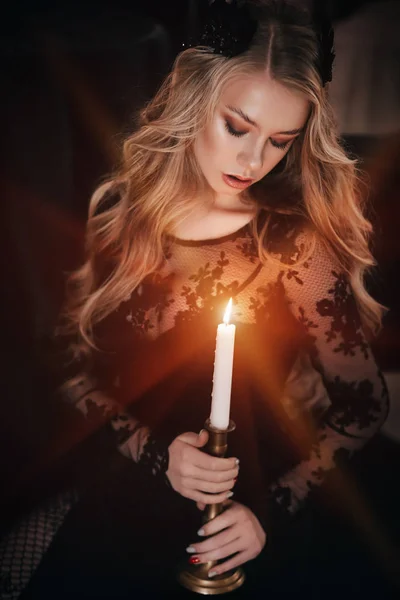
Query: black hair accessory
(229,28)
(226,28)
(325,35)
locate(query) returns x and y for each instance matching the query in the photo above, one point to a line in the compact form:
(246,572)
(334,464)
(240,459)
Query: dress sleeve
(95,397)
(319,296)
(92,383)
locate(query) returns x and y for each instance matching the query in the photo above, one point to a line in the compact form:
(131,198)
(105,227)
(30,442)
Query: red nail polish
(194,560)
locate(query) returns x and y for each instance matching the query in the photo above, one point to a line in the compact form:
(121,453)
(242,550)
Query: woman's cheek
(218,144)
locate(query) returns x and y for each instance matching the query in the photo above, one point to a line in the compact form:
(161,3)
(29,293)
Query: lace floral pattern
(345,322)
(321,299)
(198,278)
(155,456)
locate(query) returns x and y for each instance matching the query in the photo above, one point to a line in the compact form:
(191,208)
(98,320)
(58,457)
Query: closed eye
(233,131)
(279,145)
(237,133)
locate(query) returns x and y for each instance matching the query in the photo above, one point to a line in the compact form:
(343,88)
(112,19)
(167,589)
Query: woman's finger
(214,476)
(210,463)
(201,505)
(222,521)
(208,486)
(221,552)
(232,563)
(206,498)
(213,543)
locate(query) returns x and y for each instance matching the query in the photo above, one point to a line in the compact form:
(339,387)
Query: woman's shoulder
(299,244)
(288,236)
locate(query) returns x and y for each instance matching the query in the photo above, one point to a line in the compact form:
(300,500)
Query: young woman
(234,185)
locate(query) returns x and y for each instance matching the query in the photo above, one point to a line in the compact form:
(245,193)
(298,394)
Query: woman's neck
(219,220)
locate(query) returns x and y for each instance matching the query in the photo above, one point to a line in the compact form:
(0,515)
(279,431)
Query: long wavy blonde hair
(159,182)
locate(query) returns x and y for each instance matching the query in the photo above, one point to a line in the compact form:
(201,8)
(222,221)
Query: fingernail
(201,532)
(190,549)
(194,560)
(235,480)
(201,431)
(212,573)
(229,495)
(237,461)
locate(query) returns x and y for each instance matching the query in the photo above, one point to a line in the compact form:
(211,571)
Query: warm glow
(227,314)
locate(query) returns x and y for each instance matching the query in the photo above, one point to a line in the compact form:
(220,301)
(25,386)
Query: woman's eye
(236,133)
(281,145)
(233,131)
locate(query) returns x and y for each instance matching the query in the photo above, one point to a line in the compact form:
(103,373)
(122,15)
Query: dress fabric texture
(306,393)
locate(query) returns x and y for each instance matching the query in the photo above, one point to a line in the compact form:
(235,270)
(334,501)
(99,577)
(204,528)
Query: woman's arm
(321,299)
(89,385)
(98,406)
(91,388)
(182,466)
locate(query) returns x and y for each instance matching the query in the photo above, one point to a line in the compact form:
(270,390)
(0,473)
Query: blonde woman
(234,185)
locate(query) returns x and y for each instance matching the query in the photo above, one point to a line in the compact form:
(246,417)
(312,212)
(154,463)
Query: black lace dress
(306,394)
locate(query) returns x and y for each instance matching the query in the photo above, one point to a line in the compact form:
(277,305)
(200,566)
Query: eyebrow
(246,118)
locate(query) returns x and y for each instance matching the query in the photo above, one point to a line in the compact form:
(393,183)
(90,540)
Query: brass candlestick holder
(195,577)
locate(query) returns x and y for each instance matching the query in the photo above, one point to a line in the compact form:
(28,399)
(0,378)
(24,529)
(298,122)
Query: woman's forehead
(264,100)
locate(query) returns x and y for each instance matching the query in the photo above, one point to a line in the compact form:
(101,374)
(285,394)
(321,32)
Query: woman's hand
(240,534)
(197,475)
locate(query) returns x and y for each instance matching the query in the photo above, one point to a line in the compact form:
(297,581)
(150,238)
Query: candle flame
(227,314)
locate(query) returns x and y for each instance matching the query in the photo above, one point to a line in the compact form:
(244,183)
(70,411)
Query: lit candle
(222,379)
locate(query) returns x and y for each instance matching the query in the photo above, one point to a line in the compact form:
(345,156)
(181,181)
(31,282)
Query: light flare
(228,311)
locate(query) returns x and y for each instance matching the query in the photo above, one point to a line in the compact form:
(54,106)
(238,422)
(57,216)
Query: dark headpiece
(229,30)
(325,34)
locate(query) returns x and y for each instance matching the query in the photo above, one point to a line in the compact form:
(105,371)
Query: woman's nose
(251,162)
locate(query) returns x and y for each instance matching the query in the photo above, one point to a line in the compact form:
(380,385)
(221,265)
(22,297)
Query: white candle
(222,379)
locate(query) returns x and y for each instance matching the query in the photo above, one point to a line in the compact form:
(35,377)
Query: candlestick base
(195,577)
(196,580)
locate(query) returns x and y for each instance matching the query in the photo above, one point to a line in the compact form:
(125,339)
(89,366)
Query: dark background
(72,78)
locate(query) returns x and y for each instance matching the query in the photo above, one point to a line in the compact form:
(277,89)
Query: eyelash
(232,131)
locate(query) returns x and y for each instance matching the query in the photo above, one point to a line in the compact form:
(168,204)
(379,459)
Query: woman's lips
(236,183)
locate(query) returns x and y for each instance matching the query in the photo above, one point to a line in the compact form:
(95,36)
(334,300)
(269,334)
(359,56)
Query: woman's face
(255,123)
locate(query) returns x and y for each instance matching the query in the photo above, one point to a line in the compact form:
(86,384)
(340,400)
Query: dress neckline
(212,241)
